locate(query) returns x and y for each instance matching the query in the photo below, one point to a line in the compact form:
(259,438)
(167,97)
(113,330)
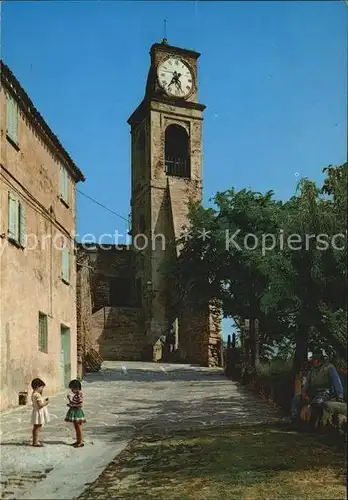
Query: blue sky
(273,76)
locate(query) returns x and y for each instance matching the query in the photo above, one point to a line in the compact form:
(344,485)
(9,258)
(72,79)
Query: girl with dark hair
(75,413)
(39,416)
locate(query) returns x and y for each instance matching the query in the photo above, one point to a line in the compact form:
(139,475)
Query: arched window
(177,152)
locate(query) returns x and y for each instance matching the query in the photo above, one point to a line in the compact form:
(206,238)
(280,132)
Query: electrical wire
(40,209)
(103,206)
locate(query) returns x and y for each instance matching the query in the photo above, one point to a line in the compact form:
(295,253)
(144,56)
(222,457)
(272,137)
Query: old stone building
(132,294)
(114,329)
(37,258)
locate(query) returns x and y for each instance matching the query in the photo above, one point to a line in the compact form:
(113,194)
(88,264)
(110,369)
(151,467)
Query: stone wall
(83,310)
(200,339)
(114,263)
(116,334)
(193,327)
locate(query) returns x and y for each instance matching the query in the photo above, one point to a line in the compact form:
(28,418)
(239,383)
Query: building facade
(37,253)
(135,300)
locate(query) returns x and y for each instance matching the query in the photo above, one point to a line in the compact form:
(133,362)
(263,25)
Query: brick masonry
(116,334)
(200,341)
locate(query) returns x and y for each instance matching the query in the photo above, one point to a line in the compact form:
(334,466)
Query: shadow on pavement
(176,414)
(194,374)
(28,443)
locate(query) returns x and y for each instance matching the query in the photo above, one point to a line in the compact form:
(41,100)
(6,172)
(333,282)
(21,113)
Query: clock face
(175,77)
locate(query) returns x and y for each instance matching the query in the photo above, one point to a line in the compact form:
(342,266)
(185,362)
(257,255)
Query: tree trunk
(254,344)
(228,357)
(257,343)
(245,351)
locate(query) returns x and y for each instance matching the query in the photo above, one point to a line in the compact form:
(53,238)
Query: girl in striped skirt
(75,413)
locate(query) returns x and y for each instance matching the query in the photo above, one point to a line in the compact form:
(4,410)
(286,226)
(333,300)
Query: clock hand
(177,81)
(178,85)
(172,81)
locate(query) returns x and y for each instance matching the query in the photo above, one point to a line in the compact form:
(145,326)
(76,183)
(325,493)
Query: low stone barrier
(335,415)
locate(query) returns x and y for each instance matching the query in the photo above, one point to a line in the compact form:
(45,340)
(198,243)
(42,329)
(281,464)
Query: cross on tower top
(164,41)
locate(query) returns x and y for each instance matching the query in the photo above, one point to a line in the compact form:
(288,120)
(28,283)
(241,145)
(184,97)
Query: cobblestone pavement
(123,399)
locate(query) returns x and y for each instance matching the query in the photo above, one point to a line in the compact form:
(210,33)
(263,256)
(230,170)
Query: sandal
(37,445)
(78,445)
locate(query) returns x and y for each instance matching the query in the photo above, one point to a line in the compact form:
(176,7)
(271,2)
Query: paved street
(122,400)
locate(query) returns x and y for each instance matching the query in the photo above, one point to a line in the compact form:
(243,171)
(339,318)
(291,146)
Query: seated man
(323,383)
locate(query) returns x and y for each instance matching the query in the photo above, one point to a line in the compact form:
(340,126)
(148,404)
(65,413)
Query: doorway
(65,361)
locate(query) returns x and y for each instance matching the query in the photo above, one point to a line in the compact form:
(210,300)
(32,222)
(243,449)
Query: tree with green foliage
(273,261)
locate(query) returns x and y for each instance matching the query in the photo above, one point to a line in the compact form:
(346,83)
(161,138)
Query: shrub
(274,381)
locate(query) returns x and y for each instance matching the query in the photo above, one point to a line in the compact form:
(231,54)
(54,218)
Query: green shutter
(8,115)
(61,182)
(12,119)
(66,188)
(13,217)
(65,264)
(14,122)
(64,184)
(22,226)
(43,333)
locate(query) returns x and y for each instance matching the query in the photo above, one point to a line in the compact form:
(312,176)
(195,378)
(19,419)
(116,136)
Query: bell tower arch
(177,151)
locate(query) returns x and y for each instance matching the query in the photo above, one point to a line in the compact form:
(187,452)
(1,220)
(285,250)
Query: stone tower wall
(83,309)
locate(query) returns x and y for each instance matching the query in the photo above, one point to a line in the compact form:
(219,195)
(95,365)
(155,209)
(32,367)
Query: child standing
(75,413)
(39,416)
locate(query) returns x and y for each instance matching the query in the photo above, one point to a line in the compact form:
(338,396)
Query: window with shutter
(66,188)
(65,265)
(64,185)
(61,182)
(22,226)
(17,230)
(43,333)
(13,217)
(12,119)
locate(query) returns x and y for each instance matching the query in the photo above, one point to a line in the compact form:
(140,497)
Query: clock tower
(166,156)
